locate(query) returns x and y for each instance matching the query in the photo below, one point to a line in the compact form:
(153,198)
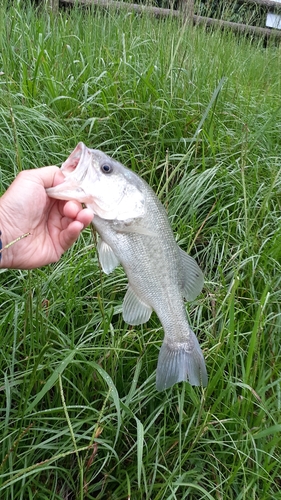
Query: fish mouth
(76,158)
(74,171)
(110,198)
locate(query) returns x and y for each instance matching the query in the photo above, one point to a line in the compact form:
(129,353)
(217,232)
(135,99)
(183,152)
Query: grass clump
(197,114)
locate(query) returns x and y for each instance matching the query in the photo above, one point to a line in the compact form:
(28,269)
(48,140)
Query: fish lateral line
(133,230)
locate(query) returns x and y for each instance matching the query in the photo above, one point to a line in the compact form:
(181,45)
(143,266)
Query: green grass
(197,113)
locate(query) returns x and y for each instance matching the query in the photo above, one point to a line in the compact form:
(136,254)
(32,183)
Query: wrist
(6,237)
(5,258)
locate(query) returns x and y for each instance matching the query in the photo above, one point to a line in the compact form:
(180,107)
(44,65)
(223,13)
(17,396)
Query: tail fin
(181,362)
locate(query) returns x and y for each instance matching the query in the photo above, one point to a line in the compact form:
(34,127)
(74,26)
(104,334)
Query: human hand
(53,225)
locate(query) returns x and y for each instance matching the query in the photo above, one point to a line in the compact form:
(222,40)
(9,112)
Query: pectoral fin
(107,257)
(192,278)
(135,311)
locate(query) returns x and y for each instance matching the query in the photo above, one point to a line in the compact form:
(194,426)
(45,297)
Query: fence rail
(263,3)
(186,11)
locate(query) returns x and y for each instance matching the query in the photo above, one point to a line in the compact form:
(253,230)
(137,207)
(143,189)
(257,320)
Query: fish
(134,231)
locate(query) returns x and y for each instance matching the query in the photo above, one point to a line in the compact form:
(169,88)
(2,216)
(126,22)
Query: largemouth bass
(135,232)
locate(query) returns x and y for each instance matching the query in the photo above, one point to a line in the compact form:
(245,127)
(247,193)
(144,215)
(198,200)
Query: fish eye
(106,169)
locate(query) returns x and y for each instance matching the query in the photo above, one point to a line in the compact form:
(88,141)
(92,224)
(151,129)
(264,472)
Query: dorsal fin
(192,278)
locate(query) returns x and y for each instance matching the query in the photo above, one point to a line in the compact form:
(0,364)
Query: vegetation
(197,114)
(236,11)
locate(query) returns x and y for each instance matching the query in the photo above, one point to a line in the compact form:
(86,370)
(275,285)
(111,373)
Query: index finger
(45,176)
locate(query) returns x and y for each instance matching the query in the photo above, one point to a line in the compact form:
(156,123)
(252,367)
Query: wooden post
(187,9)
(53,5)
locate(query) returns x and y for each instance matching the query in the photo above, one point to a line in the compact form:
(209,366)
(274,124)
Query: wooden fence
(185,11)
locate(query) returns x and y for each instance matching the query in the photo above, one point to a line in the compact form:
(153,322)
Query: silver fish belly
(135,232)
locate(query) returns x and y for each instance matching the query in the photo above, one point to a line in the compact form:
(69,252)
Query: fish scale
(135,232)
